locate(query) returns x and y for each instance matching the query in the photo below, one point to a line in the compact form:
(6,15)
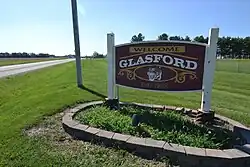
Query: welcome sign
(160,66)
(174,66)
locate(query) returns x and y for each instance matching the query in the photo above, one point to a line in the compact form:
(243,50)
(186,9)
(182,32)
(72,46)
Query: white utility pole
(77,43)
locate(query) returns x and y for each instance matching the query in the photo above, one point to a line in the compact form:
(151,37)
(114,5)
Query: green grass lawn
(237,65)
(5,62)
(27,98)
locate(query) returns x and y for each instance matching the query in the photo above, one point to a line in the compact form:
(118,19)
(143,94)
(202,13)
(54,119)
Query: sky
(45,26)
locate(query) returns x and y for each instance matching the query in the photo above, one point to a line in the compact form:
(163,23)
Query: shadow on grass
(92,91)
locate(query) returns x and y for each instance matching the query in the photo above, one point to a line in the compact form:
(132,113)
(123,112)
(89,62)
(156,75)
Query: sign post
(77,43)
(111,67)
(209,68)
(111,101)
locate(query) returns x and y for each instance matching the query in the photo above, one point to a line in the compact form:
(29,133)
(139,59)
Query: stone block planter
(149,148)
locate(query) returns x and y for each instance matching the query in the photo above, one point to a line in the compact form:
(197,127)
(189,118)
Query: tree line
(228,47)
(26,55)
(45,55)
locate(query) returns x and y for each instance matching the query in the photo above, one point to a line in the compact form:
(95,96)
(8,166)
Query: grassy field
(13,61)
(235,66)
(26,99)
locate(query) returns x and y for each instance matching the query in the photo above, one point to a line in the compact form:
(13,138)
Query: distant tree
(201,39)
(97,55)
(137,38)
(25,55)
(236,46)
(163,36)
(187,38)
(246,43)
(32,55)
(175,38)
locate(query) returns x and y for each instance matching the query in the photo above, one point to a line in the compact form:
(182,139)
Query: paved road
(21,68)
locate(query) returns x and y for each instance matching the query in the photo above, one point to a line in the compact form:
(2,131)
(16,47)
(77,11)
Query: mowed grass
(27,98)
(13,61)
(235,65)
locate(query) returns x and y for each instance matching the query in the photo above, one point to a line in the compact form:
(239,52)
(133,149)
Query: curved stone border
(150,148)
